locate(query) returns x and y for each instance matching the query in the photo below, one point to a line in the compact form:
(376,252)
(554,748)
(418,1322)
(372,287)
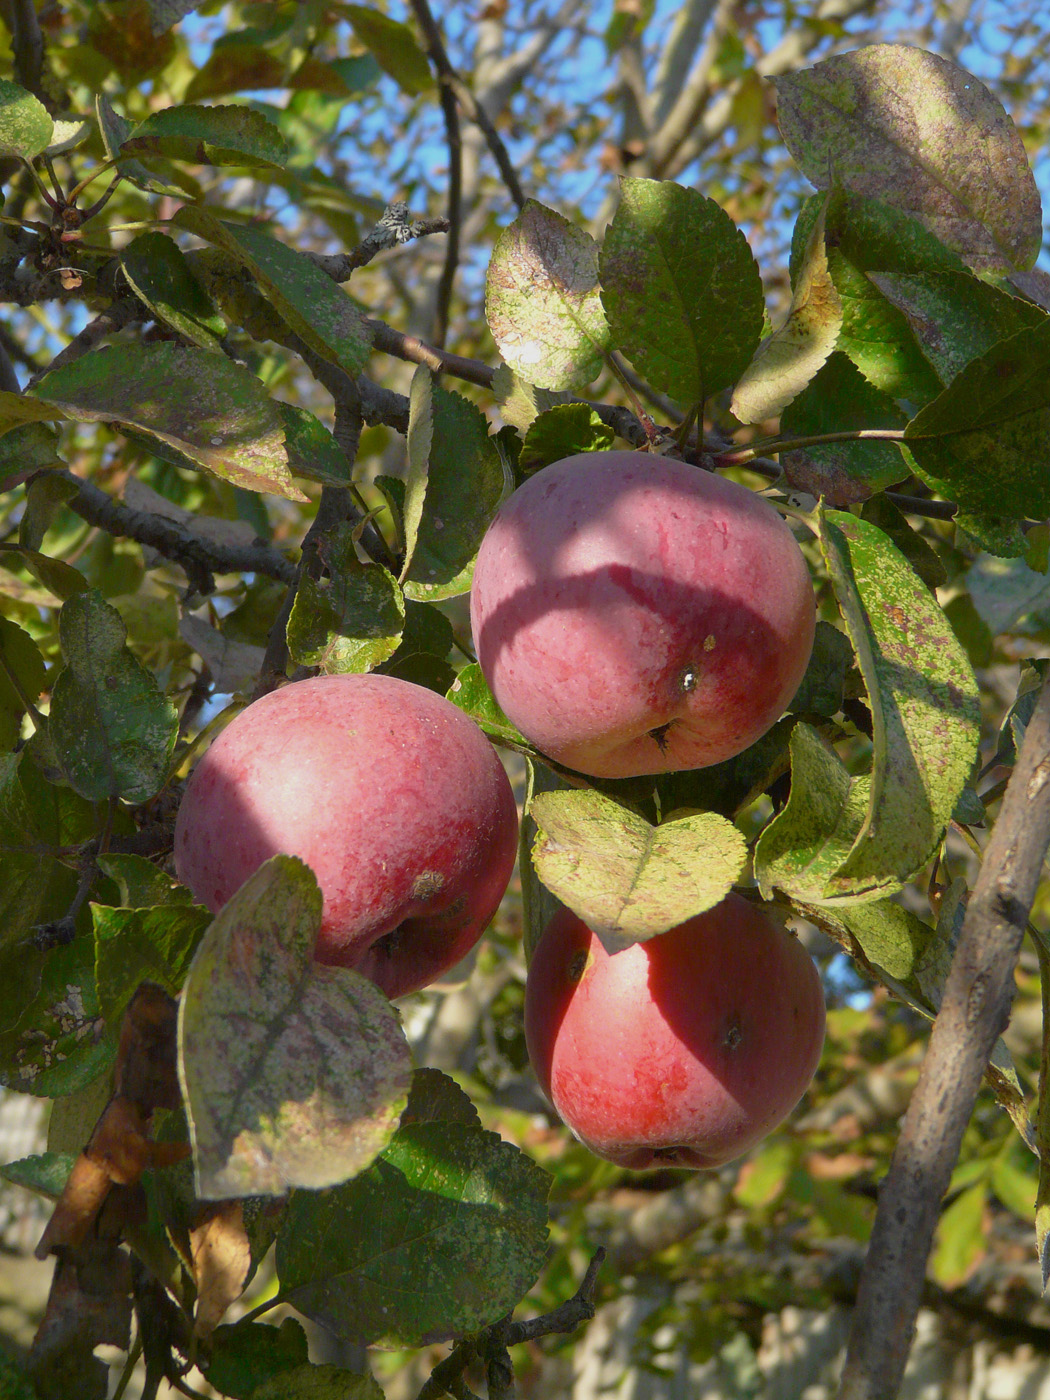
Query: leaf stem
(736,457)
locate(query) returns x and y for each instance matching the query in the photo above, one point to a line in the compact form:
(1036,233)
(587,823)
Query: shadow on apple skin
(635,615)
(683,1051)
(392,796)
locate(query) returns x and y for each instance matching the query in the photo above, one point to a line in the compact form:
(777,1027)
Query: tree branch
(27,43)
(974,1012)
(392,230)
(450,112)
(197,556)
(416,351)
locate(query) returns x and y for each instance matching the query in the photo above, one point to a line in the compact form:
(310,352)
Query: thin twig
(466,99)
(974,1012)
(443,298)
(394,228)
(492,1343)
(416,351)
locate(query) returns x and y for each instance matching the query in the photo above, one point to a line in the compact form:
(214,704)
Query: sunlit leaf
(681,289)
(25,125)
(541,300)
(391,1257)
(786,362)
(911,128)
(293,1073)
(625,879)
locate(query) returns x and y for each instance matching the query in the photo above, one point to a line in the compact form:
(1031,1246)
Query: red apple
(633,614)
(393,797)
(683,1051)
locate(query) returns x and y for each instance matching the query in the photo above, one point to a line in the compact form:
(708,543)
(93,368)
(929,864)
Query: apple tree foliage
(217,472)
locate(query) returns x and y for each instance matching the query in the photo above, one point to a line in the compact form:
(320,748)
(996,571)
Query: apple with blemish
(682,1051)
(633,614)
(393,797)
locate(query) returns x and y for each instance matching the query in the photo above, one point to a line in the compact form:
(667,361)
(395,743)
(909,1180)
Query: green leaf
(350,621)
(59,578)
(435,1098)
(765,1175)
(208,135)
(955,316)
(464,485)
(1013,1184)
(840,399)
(961,1239)
(316,308)
(37,820)
(293,1073)
(876,336)
(392,1256)
(542,302)
(520,403)
(802,849)
(394,47)
(25,126)
(425,642)
(681,289)
(538,904)
(892,938)
(67,136)
(46,1174)
(205,406)
(923,698)
(1006,593)
(58,1045)
(113,730)
(19,409)
(45,497)
(22,673)
(237,62)
(159,275)
(310,1381)
(29,448)
(312,450)
(786,362)
(167,13)
(910,128)
(726,787)
(561,432)
(625,879)
(472,695)
(1003,538)
(114,130)
(985,441)
(141,883)
(133,946)
(1019,715)
(245,1355)
(419,443)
